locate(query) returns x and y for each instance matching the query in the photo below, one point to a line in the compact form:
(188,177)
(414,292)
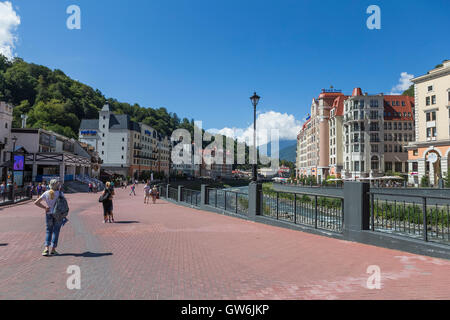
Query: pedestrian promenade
(165,251)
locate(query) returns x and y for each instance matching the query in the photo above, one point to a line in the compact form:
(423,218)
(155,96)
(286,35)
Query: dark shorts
(107,207)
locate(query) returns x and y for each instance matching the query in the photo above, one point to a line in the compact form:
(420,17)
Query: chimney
(357,92)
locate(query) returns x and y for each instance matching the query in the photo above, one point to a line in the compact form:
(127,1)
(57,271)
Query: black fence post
(255,205)
(295,208)
(204,197)
(315,212)
(180,194)
(372,203)
(425,219)
(356,208)
(278,204)
(236,202)
(225,201)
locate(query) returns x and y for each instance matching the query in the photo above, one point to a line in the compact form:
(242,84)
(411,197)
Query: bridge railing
(313,210)
(425,217)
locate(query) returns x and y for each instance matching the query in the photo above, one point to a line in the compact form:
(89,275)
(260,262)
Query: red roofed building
(335,145)
(313,140)
(376,130)
(355,136)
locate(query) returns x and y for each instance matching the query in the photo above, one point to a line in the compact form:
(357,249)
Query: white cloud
(288,127)
(403,83)
(9,21)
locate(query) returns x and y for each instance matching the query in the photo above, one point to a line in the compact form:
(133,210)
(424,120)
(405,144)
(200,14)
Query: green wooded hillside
(54,101)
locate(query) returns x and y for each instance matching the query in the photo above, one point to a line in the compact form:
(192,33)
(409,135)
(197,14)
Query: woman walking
(154,194)
(108,194)
(147,190)
(53,226)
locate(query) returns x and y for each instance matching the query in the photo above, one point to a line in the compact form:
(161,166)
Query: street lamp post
(255,99)
(14,140)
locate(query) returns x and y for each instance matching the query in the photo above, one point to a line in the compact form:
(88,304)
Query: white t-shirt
(50,202)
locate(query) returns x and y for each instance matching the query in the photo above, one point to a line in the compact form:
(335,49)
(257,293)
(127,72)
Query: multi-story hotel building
(126,147)
(336,137)
(377,129)
(429,154)
(366,136)
(313,140)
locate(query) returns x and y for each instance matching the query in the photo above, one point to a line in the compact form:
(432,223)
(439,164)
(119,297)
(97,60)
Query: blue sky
(204,58)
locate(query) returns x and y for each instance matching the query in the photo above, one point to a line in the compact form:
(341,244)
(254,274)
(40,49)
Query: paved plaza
(165,251)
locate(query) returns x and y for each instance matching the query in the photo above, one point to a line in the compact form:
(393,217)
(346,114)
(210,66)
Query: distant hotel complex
(367,136)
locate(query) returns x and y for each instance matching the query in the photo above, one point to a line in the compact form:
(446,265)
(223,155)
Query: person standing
(53,226)
(133,188)
(147,190)
(108,195)
(154,194)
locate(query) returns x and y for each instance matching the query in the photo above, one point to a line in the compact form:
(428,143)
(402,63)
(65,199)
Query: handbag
(104,196)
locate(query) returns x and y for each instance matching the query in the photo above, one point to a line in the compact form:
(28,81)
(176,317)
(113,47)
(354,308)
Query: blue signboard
(89,132)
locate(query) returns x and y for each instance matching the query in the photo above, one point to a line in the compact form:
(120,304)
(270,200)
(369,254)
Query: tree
(409,92)
(425,181)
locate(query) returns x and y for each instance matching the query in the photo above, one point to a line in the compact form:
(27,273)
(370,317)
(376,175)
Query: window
(427,101)
(388,166)
(398,166)
(403,103)
(395,148)
(390,148)
(374,163)
(356,165)
(431,116)
(433,99)
(374,148)
(104,127)
(390,125)
(6,125)
(430,88)
(385,148)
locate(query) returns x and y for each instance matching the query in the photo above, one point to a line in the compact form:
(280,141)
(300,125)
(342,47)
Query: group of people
(32,189)
(93,187)
(47,201)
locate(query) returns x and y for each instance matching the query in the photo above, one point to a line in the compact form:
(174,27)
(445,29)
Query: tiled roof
(338,104)
(395,110)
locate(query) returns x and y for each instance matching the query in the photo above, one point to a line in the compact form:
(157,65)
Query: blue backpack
(61,208)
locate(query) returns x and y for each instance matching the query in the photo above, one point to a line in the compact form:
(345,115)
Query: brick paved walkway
(165,251)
